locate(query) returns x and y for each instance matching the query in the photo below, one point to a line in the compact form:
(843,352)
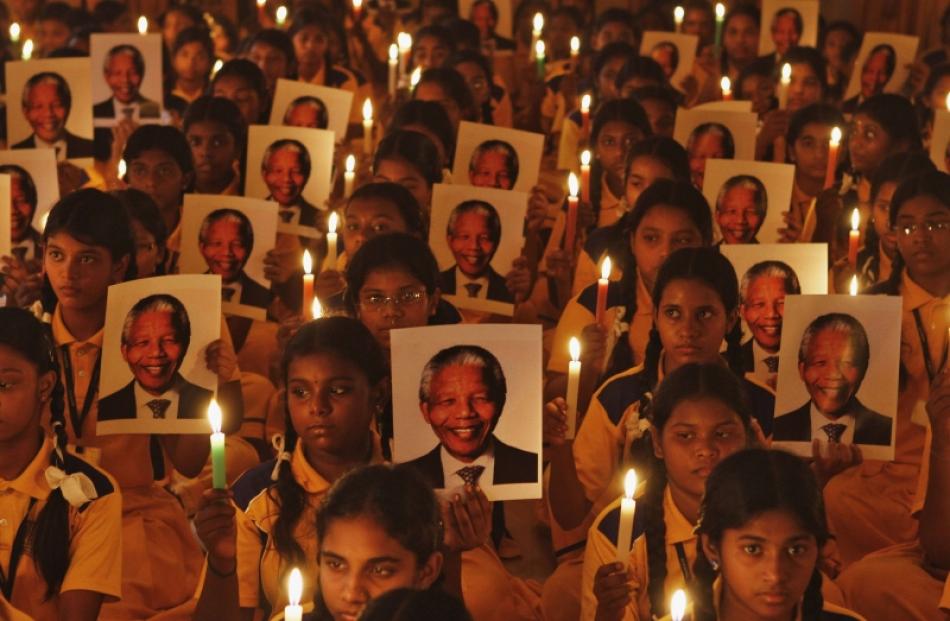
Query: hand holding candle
(368,126)
(833,146)
(218,473)
(602,283)
(585,176)
(783,86)
(293,611)
(570,228)
(332,222)
(678,605)
(349,175)
(573,385)
(628,507)
(853,236)
(307,281)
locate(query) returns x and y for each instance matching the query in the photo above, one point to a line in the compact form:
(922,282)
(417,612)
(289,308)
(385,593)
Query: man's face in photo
(460,410)
(154,351)
(830,371)
(21,211)
(763,309)
(471,244)
(784,33)
(223,249)
(738,217)
(284,176)
(874,74)
(304,115)
(491,171)
(123,78)
(45,112)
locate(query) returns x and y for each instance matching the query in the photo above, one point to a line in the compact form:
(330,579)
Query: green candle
(720,17)
(218,476)
(539,58)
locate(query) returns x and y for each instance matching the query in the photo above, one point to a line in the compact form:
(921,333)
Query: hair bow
(278,443)
(636,426)
(77,488)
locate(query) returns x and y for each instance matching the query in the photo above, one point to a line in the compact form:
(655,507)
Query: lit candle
(261,13)
(357,9)
(570,229)
(281,15)
(307,281)
(853,235)
(783,86)
(539,58)
(349,175)
(678,14)
(537,26)
(833,146)
(726,85)
(678,605)
(368,127)
(585,176)
(720,18)
(404,41)
(393,69)
(27,52)
(575,48)
(948,94)
(15,32)
(602,284)
(628,507)
(293,611)
(853,287)
(415,77)
(122,168)
(585,116)
(573,383)
(142,24)
(316,309)
(332,222)
(217,67)
(218,473)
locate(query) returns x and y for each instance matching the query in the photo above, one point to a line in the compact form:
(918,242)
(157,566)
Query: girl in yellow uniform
(761,528)
(60,556)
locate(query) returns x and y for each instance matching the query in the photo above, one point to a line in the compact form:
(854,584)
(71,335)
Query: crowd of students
(127,526)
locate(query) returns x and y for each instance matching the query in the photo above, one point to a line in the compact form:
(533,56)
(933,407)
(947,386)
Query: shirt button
(3,521)
(82,373)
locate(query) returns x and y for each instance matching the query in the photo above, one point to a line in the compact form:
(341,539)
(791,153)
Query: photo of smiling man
(24,239)
(226,240)
(473,234)
(762,292)
(46,104)
(741,208)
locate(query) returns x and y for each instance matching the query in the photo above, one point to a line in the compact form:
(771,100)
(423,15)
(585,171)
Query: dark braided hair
(27,336)
(744,486)
(348,339)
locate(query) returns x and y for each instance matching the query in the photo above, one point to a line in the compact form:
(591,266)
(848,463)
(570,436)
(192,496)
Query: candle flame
(14,32)
(585,158)
(122,168)
(357,4)
(574,346)
(630,483)
(853,287)
(678,605)
(678,14)
(720,10)
(350,163)
(835,136)
(316,311)
(281,15)
(572,184)
(855,219)
(261,3)
(415,77)
(27,51)
(394,52)
(217,67)
(539,49)
(537,23)
(142,24)
(307,262)
(332,222)
(294,587)
(214,416)
(585,103)
(575,45)
(367,110)
(404,40)
(786,73)
(605,268)
(948,94)
(726,84)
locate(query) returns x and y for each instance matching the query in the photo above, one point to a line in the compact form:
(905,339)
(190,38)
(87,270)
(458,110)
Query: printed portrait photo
(34,189)
(493,19)
(495,157)
(51,106)
(154,376)
(940,140)
(787,24)
(475,235)
(714,134)
(674,52)
(291,167)
(229,236)
(467,406)
(880,67)
(747,199)
(126,78)
(838,373)
(298,104)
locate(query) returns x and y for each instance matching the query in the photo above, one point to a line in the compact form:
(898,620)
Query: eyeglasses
(930,227)
(377,301)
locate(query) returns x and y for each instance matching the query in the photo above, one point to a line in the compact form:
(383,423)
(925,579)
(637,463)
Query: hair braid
(813,601)
(655,534)
(291,500)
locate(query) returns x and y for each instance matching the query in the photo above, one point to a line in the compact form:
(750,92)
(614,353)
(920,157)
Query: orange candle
(307,281)
(853,235)
(602,284)
(585,176)
(833,146)
(570,229)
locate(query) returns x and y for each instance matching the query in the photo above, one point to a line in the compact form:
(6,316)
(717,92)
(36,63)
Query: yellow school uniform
(95,552)
(602,549)
(945,599)
(160,555)
(870,506)
(568,148)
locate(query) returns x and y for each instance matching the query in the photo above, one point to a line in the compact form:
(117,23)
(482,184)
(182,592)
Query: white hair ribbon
(77,488)
(278,443)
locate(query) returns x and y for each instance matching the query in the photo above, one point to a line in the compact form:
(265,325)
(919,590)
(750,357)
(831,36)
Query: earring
(715,565)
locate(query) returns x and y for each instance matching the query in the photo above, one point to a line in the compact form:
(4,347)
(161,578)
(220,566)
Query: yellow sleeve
(599,551)
(945,598)
(585,274)
(95,548)
(597,449)
(567,157)
(571,323)
(249,552)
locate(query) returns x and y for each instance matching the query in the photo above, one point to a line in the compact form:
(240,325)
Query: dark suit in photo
(512,465)
(252,292)
(870,427)
(497,289)
(193,402)
(76,146)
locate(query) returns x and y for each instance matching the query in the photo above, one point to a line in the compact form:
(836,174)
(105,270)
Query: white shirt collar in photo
(237,287)
(760,369)
(118,109)
(142,398)
(30,246)
(451,466)
(819,420)
(59,145)
(461,280)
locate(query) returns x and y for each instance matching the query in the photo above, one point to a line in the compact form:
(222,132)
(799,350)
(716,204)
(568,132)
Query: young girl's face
(22,393)
(741,39)
(707,145)
(214,150)
(433,91)
(359,561)
(692,322)
(880,214)
(391,298)
(662,116)
(408,176)
(868,144)
(271,61)
(759,90)
(698,435)
(310,45)
(429,52)
(80,273)
(366,218)
(805,87)
(607,79)
(926,253)
(174,23)
(238,90)
(613,142)
(641,174)
(157,173)
(662,230)
(148,254)
(810,150)
(331,404)
(766,565)
(192,62)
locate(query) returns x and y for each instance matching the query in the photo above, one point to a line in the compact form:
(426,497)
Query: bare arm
(79,605)
(217,531)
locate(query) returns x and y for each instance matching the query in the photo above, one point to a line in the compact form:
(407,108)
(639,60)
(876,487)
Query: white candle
(602,285)
(585,116)
(281,15)
(316,310)
(585,175)
(853,287)
(293,611)
(537,27)
(415,77)
(404,41)
(217,67)
(349,175)
(330,263)
(142,24)
(573,384)
(27,52)
(393,69)
(628,507)
(15,32)
(122,168)
(368,127)
(726,85)
(678,605)
(218,472)
(678,14)
(783,86)
(575,47)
